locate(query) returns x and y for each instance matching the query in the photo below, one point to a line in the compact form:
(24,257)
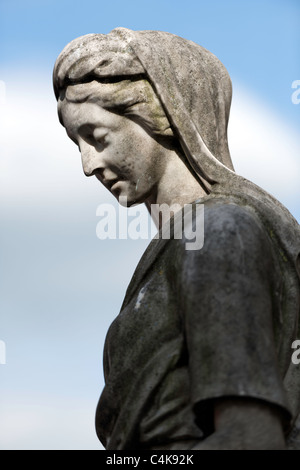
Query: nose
(90,158)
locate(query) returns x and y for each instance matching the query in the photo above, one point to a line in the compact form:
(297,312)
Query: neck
(176,187)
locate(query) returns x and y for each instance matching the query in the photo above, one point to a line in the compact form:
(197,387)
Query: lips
(108,182)
(113,183)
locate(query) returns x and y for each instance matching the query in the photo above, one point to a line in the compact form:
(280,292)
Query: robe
(197,325)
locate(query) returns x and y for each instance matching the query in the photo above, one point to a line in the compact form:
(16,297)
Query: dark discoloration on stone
(196,327)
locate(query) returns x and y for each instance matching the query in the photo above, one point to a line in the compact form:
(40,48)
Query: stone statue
(200,355)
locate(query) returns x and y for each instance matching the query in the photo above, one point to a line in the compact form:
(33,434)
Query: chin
(127,200)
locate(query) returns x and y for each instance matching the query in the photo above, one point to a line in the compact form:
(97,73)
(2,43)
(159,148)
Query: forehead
(107,94)
(74,115)
(81,92)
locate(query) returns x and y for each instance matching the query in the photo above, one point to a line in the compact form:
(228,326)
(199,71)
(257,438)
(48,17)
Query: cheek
(135,154)
(128,154)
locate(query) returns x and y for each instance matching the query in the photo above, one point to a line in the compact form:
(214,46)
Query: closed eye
(95,136)
(86,133)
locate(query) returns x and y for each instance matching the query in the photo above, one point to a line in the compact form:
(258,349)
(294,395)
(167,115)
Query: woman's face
(118,151)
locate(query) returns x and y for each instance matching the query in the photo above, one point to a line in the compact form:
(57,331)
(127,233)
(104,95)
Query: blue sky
(60,286)
(258,40)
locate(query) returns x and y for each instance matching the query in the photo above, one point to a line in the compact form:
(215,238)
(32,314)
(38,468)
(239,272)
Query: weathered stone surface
(200,354)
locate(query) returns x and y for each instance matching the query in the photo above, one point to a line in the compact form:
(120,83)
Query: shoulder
(221,222)
(222,234)
(225,217)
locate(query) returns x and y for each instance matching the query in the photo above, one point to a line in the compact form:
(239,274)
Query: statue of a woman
(200,353)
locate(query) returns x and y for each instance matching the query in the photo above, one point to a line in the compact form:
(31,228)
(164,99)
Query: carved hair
(135,99)
(182,84)
(191,85)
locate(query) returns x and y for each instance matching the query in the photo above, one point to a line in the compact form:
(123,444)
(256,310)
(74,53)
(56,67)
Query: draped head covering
(198,113)
(194,90)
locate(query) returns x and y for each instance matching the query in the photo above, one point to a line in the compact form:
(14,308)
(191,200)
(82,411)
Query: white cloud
(39,162)
(39,422)
(41,167)
(264,148)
